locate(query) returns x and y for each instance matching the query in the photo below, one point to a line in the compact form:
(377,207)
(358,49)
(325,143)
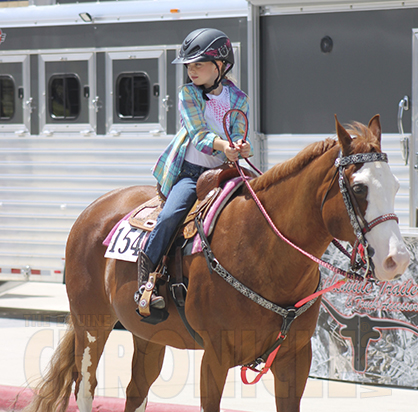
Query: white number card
(125,243)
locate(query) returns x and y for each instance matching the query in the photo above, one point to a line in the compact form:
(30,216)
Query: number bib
(125,243)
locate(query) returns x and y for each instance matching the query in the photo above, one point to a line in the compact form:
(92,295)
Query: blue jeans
(179,201)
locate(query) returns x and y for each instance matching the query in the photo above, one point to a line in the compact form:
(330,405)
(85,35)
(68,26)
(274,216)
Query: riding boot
(145,268)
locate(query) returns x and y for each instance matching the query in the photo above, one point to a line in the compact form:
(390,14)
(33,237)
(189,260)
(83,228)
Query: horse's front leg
(213,374)
(290,375)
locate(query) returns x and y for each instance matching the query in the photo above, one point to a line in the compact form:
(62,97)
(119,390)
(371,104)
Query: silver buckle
(177,285)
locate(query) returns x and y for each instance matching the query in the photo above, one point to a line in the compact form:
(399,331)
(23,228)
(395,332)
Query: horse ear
(375,128)
(343,137)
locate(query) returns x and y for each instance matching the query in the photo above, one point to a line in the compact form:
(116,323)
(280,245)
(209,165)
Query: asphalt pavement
(32,323)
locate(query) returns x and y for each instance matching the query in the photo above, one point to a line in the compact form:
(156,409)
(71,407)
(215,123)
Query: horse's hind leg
(147,362)
(91,335)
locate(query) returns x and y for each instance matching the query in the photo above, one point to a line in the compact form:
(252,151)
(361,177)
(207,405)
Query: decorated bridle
(360,225)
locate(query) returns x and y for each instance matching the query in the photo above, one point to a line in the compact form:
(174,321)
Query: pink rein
(271,223)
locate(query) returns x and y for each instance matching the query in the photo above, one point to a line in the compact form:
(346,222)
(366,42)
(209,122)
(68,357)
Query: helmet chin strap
(206,90)
(215,85)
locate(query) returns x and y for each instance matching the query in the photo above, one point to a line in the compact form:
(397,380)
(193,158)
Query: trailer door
(15,101)
(136,98)
(67,92)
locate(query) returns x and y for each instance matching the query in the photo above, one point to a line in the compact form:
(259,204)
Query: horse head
(368,188)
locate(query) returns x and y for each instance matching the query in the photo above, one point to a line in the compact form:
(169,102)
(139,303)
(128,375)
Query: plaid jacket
(195,131)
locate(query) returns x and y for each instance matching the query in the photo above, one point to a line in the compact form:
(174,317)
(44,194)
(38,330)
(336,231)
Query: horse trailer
(88,100)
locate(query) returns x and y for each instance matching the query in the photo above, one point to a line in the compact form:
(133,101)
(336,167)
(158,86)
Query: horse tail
(53,393)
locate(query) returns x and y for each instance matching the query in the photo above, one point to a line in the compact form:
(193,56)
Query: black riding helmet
(205,45)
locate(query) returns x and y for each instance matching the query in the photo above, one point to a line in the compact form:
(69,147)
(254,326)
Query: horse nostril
(390,264)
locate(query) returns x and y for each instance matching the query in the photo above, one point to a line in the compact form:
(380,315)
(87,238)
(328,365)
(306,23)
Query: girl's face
(203,73)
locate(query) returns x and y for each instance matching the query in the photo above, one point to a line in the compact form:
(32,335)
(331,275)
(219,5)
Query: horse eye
(360,189)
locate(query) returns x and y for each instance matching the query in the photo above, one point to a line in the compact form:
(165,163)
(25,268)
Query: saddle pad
(209,223)
(108,238)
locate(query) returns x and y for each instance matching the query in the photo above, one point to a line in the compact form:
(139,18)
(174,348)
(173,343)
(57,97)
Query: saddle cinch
(208,189)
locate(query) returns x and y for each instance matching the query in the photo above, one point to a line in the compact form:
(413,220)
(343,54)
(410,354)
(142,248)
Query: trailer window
(133,96)
(7,97)
(64,97)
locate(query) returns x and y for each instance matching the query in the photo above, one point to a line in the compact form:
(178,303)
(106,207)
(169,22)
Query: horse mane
(294,165)
(364,141)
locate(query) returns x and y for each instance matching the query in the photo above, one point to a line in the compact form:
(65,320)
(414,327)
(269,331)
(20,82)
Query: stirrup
(156,301)
(147,297)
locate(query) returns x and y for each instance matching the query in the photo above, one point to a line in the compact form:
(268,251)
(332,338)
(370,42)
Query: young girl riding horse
(201,142)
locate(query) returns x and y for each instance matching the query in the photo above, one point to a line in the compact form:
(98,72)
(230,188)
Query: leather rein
(360,248)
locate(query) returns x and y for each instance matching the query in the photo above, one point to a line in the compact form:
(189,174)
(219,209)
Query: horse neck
(294,204)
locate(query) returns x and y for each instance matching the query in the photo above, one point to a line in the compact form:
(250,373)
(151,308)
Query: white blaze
(391,257)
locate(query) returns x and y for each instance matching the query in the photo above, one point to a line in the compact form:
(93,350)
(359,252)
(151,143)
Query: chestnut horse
(303,199)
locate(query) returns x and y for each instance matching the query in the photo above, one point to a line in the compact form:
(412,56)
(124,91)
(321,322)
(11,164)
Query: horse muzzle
(393,265)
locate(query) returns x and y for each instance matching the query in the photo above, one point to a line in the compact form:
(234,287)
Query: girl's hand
(232,152)
(244,148)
